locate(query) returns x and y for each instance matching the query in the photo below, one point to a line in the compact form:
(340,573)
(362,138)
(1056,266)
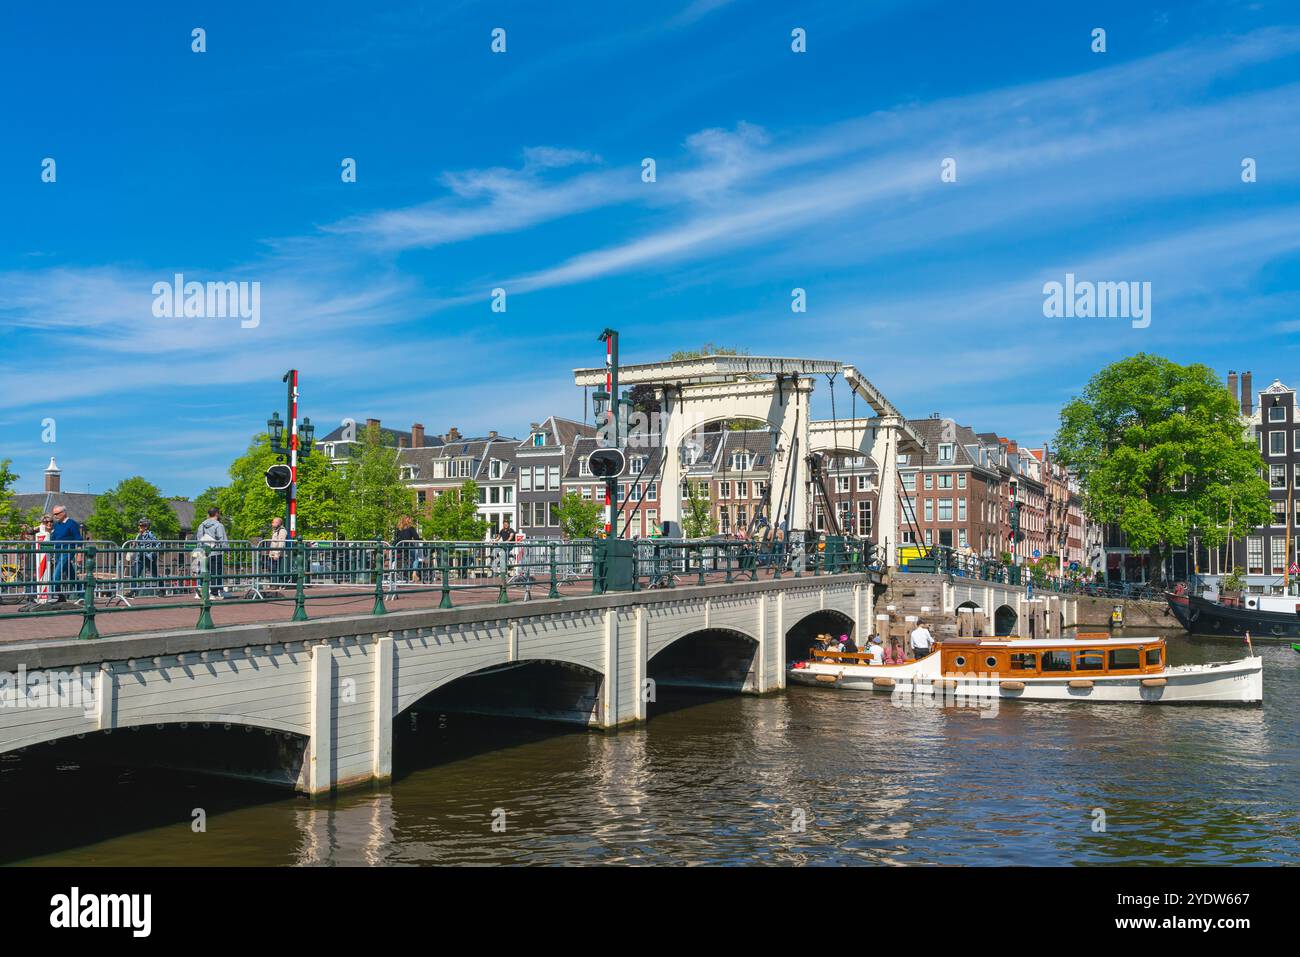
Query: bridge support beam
(320,760)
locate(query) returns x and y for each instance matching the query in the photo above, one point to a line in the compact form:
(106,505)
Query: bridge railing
(91,578)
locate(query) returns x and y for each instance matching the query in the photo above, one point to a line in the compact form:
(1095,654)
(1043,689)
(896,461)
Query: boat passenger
(922,640)
(848,644)
(894,655)
(877,650)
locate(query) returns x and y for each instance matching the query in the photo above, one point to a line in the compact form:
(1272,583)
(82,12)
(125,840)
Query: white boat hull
(1230,682)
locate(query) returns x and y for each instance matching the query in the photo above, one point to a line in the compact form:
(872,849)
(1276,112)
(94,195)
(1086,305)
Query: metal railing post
(555,585)
(445,562)
(503,597)
(700,555)
(300,586)
(88,629)
(727,555)
(379,608)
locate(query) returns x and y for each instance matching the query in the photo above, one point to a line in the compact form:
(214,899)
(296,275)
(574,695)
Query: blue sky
(775,170)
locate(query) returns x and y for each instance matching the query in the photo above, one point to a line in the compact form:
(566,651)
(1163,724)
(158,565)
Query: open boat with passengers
(1088,667)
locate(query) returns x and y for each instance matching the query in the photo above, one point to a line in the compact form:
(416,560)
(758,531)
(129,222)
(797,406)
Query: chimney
(1233,387)
(52,474)
(370,422)
(1247,394)
(453,434)
(417,436)
(401,441)
(492,434)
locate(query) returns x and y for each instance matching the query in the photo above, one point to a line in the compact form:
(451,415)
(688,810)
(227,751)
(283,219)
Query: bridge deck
(144,617)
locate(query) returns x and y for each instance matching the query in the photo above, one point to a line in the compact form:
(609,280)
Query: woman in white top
(44,559)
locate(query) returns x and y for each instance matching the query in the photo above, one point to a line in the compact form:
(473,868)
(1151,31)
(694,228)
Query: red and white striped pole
(293,454)
(613,411)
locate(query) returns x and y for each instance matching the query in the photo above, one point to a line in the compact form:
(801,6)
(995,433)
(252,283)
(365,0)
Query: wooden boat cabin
(1089,655)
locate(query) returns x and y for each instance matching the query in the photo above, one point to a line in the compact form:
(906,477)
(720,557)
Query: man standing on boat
(922,640)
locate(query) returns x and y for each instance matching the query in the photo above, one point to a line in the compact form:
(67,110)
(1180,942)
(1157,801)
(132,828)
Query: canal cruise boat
(1089,667)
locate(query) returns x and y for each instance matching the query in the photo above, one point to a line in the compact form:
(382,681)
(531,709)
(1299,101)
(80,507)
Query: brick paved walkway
(321,603)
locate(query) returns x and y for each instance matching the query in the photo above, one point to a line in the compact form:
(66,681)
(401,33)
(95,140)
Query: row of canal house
(959,494)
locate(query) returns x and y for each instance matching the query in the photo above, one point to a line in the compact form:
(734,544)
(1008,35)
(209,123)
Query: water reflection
(731,779)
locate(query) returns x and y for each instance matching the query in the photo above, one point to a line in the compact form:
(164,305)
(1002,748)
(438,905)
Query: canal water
(808,776)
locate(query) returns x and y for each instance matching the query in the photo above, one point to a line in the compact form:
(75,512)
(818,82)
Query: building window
(742,489)
(945,510)
(525,480)
(741,461)
(554,510)
(1277,443)
(724,516)
(862,483)
(724,490)
(586,493)
(929,480)
(420,497)
(945,481)
(864,518)
(539,439)
(1277,413)
(584,467)
(1254,556)
(636,464)
(554,472)
(742,516)
(929,511)
(909,482)
(1277,476)
(1279,513)
(1277,548)
(961,537)
(945,452)
(961,512)
(652,492)
(508,495)
(494,495)
(494,469)
(961,480)
(842,484)
(929,537)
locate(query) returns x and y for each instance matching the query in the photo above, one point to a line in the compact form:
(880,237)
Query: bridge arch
(1005,620)
(451,676)
(43,734)
(800,636)
(723,659)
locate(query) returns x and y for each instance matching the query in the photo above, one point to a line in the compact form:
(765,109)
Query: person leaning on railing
(65,536)
(144,558)
(275,554)
(213,534)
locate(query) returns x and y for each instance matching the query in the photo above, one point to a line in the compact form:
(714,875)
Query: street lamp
(275,427)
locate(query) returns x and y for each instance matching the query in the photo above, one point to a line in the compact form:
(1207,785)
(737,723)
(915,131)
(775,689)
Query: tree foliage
(579,518)
(1160,450)
(119,510)
(697,517)
(12,520)
(374,494)
(453,515)
(247,505)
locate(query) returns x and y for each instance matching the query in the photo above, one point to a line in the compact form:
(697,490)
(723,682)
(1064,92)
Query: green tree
(376,497)
(453,515)
(1160,450)
(697,518)
(11,519)
(247,505)
(118,511)
(579,518)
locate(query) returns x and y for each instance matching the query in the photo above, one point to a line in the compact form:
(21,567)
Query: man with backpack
(213,534)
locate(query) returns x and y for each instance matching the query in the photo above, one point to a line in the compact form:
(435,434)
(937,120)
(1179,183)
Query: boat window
(991,661)
(1024,661)
(1056,661)
(1121,658)
(1153,656)
(960,661)
(1090,660)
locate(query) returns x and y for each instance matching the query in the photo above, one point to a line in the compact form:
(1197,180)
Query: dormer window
(636,464)
(495,468)
(945,452)
(740,461)
(539,439)
(410,472)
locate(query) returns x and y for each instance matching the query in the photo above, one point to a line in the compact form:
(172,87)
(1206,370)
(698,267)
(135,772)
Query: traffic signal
(279,477)
(606,463)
